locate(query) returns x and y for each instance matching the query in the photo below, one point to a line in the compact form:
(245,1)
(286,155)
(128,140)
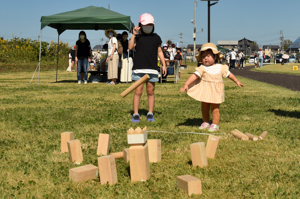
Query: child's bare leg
(151,97)
(205,111)
(215,113)
(136,98)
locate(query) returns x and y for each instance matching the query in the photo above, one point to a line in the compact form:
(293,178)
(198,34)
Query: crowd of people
(117,59)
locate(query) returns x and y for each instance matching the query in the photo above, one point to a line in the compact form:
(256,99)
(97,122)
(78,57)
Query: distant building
(270,49)
(190,48)
(229,45)
(245,45)
(97,47)
(295,46)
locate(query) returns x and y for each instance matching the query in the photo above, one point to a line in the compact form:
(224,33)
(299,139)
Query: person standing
(126,61)
(242,58)
(70,61)
(82,53)
(112,57)
(232,59)
(260,57)
(147,47)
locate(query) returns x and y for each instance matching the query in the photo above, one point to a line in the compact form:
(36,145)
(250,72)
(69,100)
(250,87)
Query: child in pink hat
(147,47)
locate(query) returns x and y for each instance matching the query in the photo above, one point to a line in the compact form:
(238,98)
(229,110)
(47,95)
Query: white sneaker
(85,82)
(79,82)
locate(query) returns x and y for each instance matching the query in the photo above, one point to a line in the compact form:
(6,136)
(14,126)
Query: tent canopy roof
(295,44)
(89,18)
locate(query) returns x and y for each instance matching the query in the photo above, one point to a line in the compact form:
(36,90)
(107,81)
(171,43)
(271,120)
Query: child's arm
(190,80)
(162,60)
(131,43)
(235,80)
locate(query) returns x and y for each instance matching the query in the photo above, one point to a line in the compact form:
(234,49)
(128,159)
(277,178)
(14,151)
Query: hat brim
(110,30)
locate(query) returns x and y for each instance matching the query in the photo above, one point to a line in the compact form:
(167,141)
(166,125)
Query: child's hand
(184,88)
(240,84)
(136,30)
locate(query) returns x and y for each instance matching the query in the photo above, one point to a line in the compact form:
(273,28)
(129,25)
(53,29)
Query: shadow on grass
(144,112)
(279,112)
(191,122)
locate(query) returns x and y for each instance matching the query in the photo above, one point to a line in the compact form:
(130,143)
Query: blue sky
(257,20)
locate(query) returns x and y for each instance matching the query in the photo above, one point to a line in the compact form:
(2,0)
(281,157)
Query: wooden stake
(75,152)
(252,137)
(154,148)
(107,169)
(64,138)
(263,135)
(83,173)
(126,155)
(239,134)
(211,146)
(139,163)
(135,85)
(190,184)
(103,144)
(198,153)
(117,155)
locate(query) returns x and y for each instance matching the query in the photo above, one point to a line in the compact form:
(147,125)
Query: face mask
(110,34)
(82,36)
(147,29)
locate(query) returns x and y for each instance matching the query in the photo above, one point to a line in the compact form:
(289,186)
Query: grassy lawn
(278,68)
(33,117)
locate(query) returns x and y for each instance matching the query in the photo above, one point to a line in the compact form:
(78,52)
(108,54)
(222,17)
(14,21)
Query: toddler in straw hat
(206,85)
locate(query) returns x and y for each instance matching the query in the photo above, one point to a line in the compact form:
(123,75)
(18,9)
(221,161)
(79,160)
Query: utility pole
(281,38)
(181,42)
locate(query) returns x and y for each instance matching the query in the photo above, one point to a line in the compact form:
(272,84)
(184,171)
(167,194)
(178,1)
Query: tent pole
(39,64)
(57,55)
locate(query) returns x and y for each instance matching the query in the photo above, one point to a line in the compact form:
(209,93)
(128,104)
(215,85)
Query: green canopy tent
(89,18)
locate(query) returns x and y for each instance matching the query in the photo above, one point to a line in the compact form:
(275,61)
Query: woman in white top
(112,57)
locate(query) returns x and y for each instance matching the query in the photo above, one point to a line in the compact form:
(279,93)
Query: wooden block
(239,134)
(103,144)
(252,137)
(263,135)
(139,163)
(107,169)
(137,137)
(198,153)
(64,138)
(83,173)
(75,152)
(190,184)
(211,146)
(117,155)
(126,155)
(154,148)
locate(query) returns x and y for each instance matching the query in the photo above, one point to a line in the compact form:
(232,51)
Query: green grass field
(278,68)
(33,117)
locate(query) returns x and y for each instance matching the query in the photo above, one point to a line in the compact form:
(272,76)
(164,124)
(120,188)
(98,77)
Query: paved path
(288,81)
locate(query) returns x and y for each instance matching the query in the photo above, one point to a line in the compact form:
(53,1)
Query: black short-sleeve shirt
(146,48)
(83,49)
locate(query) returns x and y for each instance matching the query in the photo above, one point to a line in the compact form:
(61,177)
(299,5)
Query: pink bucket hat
(146,19)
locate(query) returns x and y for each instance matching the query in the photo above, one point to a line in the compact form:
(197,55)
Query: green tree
(254,46)
(285,44)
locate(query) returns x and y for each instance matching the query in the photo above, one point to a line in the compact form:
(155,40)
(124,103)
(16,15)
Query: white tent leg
(39,65)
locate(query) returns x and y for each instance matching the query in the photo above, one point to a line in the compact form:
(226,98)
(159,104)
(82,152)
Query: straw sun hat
(108,30)
(207,46)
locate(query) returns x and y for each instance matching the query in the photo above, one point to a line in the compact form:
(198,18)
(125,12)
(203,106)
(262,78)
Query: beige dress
(210,89)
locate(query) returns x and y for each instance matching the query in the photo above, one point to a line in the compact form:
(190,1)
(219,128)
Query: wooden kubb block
(65,137)
(211,146)
(139,163)
(239,134)
(83,173)
(117,155)
(190,184)
(198,154)
(107,169)
(252,137)
(137,136)
(126,155)
(103,144)
(154,148)
(263,135)
(75,151)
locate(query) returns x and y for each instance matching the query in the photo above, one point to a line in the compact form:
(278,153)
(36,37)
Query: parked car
(278,58)
(292,59)
(251,59)
(298,58)
(267,59)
